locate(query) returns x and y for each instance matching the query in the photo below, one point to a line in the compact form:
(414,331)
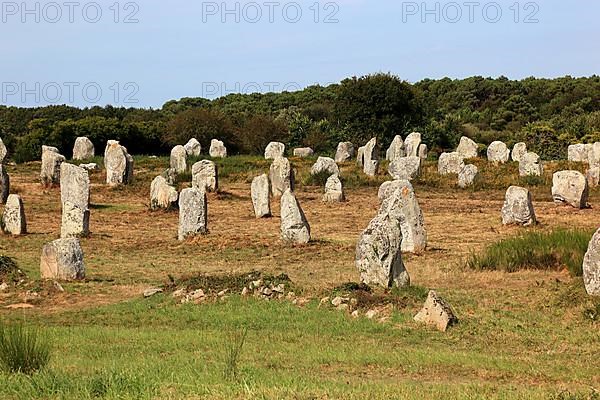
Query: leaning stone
(334,191)
(408,168)
(498,152)
(579,152)
(118,164)
(396,149)
(570,187)
(178,161)
(281,176)
(450,163)
(74,185)
(436,312)
(75,221)
(519,150)
(530,165)
(360,157)
(325,165)
(593,176)
(3,152)
(345,152)
(260,192)
(371,158)
(217,149)
(205,175)
(162,195)
(294,226)
(591,266)
(51,160)
(467,148)
(62,260)
(4,184)
(411,144)
(13,219)
(83,149)
(405,207)
(423,151)
(274,150)
(467,175)
(192,213)
(193,148)
(518,207)
(304,152)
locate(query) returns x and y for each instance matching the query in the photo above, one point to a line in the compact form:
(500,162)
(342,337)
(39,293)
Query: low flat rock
(304,152)
(436,312)
(325,165)
(579,152)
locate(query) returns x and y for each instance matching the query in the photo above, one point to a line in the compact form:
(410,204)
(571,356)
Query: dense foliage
(548,114)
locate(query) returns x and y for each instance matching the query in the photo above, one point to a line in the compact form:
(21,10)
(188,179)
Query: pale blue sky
(176,50)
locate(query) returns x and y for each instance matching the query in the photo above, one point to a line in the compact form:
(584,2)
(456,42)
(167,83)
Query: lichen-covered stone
(4,184)
(325,165)
(591,266)
(83,149)
(467,148)
(51,161)
(436,312)
(334,190)
(411,144)
(518,207)
(408,168)
(498,152)
(274,150)
(570,187)
(450,163)
(530,165)
(75,185)
(193,213)
(260,191)
(193,148)
(118,164)
(217,149)
(178,160)
(304,152)
(518,151)
(467,175)
(281,176)
(396,149)
(162,195)
(205,175)
(294,226)
(371,158)
(345,152)
(62,260)
(13,218)
(579,152)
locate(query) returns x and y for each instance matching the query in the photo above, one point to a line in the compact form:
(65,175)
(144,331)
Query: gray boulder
(217,149)
(371,158)
(530,165)
(281,176)
(411,144)
(467,175)
(274,150)
(178,161)
(450,163)
(205,175)
(325,165)
(518,207)
(193,213)
(436,312)
(396,149)
(467,148)
(408,168)
(498,152)
(162,195)
(304,152)
(62,260)
(260,191)
(294,226)
(519,150)
(345,152)
(570,187)
(118,164)
(591,266)
(51,161)
(83,149)
(13,218)
(334,190)
(193,148)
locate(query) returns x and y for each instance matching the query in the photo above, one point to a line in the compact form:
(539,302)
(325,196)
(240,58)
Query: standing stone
(304,152)
(570,187)
(594,155)
(345,152)
(518,207)
(436,312)
(83,149)
(75,185)
(467,148)
(498,152)
(593,176)
(518,152)
(4,184)
(193,215)
(579,152)
(281,176)
(274,150)
(13,219)
(396,149)
(334,191)
(170,176)
(530,165)
(62,260)
(178,160)
(3,152)
(387,188)
(51,160)
(162,195)
(217,149)
(423,151)
(408,168)
(325,165)
(294,226)
(467,175)
(260,192)
(450,163)
(411,144)
(360,156)
(118,164)
(193,148)
(75,221)
(371,158)
(591,266)
(406,208)
(205,175)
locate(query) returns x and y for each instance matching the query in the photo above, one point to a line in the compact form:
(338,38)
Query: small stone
(579,152)
(450,163)
(371,314)
(423,151)
(57,286)
(304,152)
(279,288)
(152,292)
(325,165)
(343,307)
(290,295)
(19,306)
(92,167)
(245,291)
(197,294)
(334,191)
(178,293)
(223,292)
(4,287)
(267,291)
(355,314)
(324,301)
(593,176)
(437,312)
(337,301)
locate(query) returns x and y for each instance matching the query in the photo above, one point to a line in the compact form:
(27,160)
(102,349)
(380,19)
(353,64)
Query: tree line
(547,114)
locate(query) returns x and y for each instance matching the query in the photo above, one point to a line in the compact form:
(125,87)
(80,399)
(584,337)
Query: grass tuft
(22,349)
(232,354)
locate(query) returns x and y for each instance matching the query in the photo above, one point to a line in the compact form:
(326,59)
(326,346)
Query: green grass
(22,349)
(535,250)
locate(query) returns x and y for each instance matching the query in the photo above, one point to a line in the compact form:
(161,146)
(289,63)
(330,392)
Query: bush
(535,250)
(22,349)
(9,270)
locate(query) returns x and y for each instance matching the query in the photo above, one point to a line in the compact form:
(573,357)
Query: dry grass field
(521,335)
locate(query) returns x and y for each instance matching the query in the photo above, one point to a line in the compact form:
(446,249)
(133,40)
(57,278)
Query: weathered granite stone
(193,148)
(371,158)
(405,207)
(467,148)
(324,165)
(345,152)
(92,167)
(260,192)
(304,152)
(530,165)
(405,168)
(193,213)
(518,207)
(51,160)
(83,149)
(467,175)
(274,150)
(498,152)
(519,150)
(3,152)
(205,174)
(118,164)
(334,190)
(162,195)
(360,157)
(62,260)
(294,226)
(178,161)
(579,152)
(450,163)
(423,151)
(436,312)
(217,149)
(591,266)
(13,218)
(281,176)
(396,149)
(411,144)
(4,184)
(74,185)
(593,176)
(594,155)
(570,187)
(75,221)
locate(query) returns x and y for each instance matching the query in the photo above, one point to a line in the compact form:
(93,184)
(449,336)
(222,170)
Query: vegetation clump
(22,349)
